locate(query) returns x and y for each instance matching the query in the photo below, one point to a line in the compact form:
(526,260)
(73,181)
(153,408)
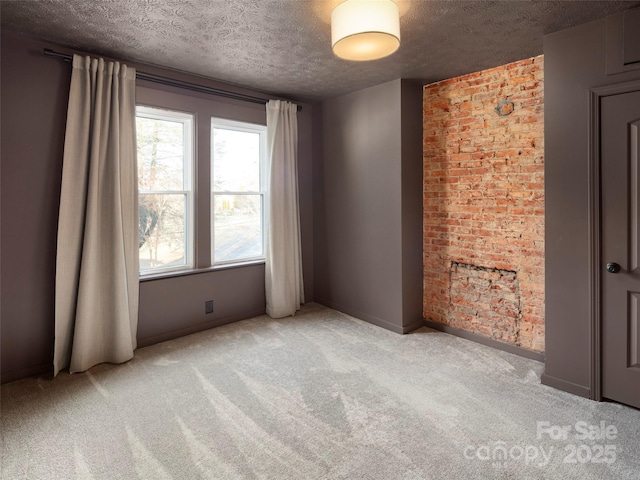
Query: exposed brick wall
(484,203)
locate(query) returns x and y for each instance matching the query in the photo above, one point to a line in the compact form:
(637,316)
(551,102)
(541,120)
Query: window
(221,222)
(165,178)
(238,191)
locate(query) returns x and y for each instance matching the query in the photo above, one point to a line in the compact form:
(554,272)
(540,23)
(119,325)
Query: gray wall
(34,101)
(412,207)
(368,199)
(575,62)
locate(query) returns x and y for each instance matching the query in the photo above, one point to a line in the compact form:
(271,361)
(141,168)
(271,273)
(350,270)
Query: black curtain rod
(175,83)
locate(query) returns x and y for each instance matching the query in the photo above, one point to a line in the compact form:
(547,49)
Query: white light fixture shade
(365,29)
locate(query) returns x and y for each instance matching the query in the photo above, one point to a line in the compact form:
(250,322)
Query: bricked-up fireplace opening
(486,301)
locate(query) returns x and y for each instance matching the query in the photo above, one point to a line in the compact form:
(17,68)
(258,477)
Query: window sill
(196,271)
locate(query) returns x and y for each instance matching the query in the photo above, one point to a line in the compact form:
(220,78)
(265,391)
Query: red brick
(484,203)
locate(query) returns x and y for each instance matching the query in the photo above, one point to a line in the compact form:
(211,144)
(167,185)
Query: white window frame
(261,130)
(188,122)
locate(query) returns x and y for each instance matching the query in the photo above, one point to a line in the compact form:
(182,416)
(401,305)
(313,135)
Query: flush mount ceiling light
(365,29)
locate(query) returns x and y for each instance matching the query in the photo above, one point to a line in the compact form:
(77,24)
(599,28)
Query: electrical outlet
(208,306)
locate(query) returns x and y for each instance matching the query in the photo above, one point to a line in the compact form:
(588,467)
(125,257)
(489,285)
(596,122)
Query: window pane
(236,161)
(160,154)
(237,227)
(162,232)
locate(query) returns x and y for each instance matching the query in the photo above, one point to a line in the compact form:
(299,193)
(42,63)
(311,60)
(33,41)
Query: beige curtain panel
(284,286)
(96,310)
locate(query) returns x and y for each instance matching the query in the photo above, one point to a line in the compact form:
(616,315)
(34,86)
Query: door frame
(595,229)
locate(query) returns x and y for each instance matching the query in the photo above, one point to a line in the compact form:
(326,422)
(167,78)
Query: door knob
(613,267)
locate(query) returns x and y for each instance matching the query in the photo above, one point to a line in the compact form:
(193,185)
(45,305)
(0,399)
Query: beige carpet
(317,396)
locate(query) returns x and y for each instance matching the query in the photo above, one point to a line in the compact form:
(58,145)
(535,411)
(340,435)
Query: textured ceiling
(283,46)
